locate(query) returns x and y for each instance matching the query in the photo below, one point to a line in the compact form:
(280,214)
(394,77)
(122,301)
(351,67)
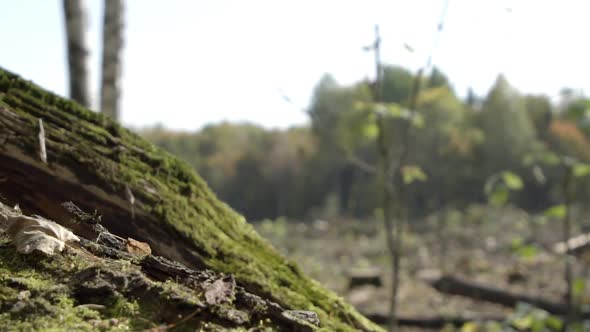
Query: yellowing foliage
(570,139)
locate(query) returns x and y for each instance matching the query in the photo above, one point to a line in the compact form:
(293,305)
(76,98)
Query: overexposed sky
(192,62)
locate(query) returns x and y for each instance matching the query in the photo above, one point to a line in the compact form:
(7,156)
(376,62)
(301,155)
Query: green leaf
(418,120)
(470,327)
(578,287)
(554,323)
(557,211)
(516,242)
(361,105)
(538,326)
(549,158)
(528,251)
(523,323)
(370,130)
(499,196)
(512,181)
(581,170)
(412,173)
(394,110)
(493,327)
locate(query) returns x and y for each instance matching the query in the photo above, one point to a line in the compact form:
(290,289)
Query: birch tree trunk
(75,21)
(111,57)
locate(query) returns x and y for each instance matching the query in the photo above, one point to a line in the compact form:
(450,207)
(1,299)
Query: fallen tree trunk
(453,285)
(165,295)
(53,150)
(434,322)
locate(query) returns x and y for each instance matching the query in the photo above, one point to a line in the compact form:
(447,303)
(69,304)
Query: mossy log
(144,193)
(89,286)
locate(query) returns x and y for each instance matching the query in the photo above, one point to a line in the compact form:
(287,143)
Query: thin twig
(362,165)
(131,200)
(42,148)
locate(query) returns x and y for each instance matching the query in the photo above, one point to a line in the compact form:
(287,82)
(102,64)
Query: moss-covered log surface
(144,193)
(92,286)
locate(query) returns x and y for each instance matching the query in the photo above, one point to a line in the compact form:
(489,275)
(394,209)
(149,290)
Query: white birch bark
(75,24)
(111,57)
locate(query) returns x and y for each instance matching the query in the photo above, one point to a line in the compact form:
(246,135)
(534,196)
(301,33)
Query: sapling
(571,170)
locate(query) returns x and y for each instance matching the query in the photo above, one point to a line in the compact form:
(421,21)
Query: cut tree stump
(143,193)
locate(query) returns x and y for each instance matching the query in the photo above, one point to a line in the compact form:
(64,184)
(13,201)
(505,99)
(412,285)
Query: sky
(190,63)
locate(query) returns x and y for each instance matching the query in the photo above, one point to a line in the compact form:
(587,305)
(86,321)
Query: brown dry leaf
(138,248)
(35,233)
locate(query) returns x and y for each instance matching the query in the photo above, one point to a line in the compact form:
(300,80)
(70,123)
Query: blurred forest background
(487,188)
(501,185)
(305,172)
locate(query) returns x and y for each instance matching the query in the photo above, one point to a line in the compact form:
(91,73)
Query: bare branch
(361,164)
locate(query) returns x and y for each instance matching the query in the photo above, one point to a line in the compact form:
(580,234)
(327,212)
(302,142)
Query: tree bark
(143,193)
(75,24)
(112,35)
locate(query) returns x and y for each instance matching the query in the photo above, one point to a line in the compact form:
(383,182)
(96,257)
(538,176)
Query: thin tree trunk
(399,223)
(111,57)
(388,218)
(400,199)
(441,234)
(386,186)
(75,21)
(568,275)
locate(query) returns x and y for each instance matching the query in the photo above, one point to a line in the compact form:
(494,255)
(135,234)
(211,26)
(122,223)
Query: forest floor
(505,248)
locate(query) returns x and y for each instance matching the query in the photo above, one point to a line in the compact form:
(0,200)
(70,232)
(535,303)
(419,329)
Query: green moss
(34,297)
(218,237)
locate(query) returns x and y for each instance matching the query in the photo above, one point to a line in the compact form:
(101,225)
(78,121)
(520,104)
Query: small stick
(131,200)
(42,150)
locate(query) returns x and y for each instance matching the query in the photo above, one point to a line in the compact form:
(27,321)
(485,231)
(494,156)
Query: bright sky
(188,63)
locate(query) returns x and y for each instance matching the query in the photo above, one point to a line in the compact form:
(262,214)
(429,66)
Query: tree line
(317,171)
